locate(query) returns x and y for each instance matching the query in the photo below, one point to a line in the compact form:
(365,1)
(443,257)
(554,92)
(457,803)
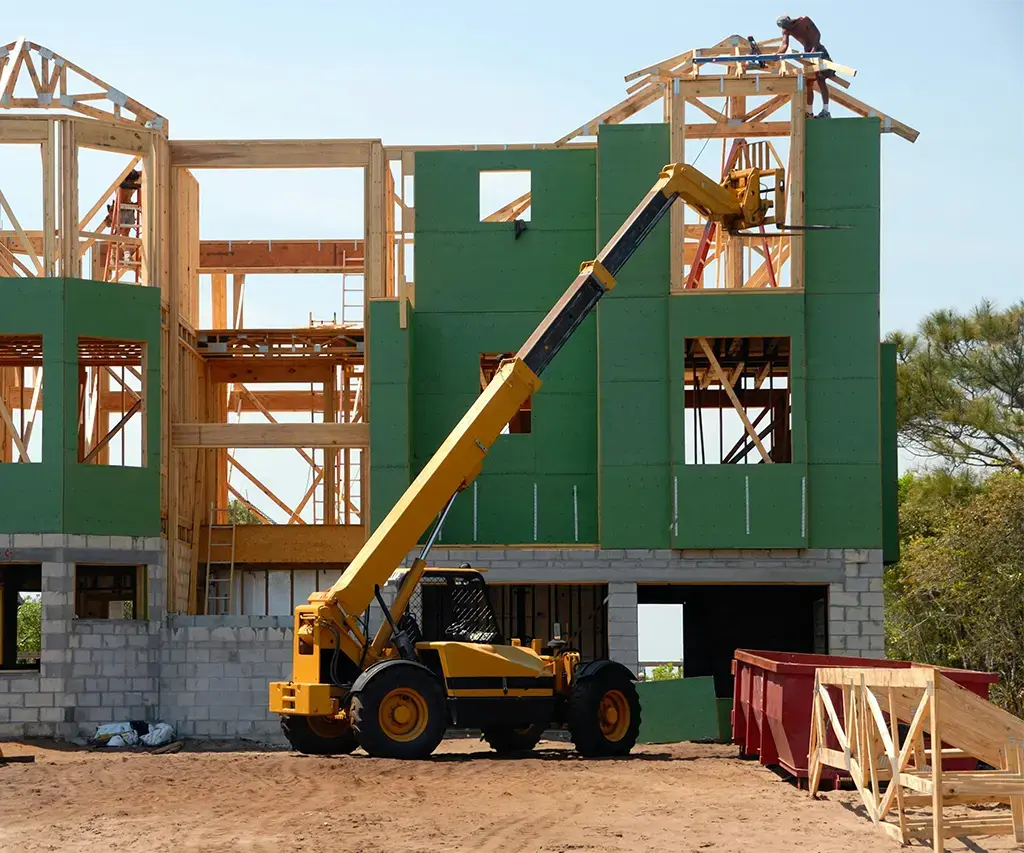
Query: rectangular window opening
(110,592)
(505,196)
(20,616)
(522,421)
(21,398)
(112,402)
(736,389)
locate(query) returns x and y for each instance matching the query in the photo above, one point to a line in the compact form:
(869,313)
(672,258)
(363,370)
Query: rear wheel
(399,713)
(505,739)
(318,735)
(604,714)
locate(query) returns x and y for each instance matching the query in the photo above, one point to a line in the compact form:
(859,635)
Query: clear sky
(479,71)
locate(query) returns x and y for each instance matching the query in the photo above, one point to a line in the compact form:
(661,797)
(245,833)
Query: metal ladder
(219,589)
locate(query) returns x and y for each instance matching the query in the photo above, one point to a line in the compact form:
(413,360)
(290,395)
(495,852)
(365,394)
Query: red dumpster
(772,698)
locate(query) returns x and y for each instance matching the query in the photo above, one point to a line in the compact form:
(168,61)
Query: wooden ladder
(219,589)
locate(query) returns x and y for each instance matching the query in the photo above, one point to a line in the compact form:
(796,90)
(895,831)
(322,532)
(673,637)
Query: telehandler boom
(395,693)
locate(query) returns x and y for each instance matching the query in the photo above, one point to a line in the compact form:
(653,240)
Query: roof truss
(35,77)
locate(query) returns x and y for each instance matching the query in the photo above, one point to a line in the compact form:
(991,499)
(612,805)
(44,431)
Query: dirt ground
(683,797)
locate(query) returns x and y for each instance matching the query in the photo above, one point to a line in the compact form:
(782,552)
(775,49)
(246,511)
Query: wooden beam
(237,300)
(717,368)
(267,369)
(270,435)
(23,129)
(270,153)
(285,544)
(795,207)
(281,256)
(219,292)
(677,154)
(69,233)
(106,136)
(49,155)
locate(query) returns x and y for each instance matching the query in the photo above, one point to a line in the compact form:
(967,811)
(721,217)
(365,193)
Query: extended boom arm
(736,203)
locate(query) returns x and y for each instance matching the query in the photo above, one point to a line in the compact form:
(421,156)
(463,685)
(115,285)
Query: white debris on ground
(133,733)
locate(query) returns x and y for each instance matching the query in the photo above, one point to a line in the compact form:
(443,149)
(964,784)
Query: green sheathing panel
(890,457)
(633,349)
(105,499)
(32,492)
(739,506)
(390,407)
(480,289)
(680,709)
(842,318)
(60,495)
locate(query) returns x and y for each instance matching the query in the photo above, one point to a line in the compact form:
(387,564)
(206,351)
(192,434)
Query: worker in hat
(805,32)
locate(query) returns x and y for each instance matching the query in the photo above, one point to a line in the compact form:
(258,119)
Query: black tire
(318,735)
(507,739)
(375,724)
(590,727)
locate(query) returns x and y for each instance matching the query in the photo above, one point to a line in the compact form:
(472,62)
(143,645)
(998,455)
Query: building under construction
(721,436)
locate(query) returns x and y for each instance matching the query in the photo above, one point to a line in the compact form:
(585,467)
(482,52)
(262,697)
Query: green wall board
(35,307)
(102,499)
(890,456)
(842,271)
(479,289)
(740,506)
(677,710)
(390,407)
(60,495)
(633,349)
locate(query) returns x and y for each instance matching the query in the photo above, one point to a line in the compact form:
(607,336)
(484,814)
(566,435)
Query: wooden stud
(677,154)
(795,213)
(717,368)
(219,288)
(69,248)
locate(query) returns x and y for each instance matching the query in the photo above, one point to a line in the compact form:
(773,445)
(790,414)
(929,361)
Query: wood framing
(293,544)
(271,153)
(270,435)
(280,256)
(872,723)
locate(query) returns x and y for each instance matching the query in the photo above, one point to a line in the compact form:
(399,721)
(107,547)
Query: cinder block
(877,614)
(114,641)
(872,599)
(872,629)
(25,685)
(197,685)
(857,643)
(835,613)
(24,715)
(38,700)
(852,571)
(856,585)
(856,614)
(12,700)
(198,635)
(847,628)
(51,715)
(94,541)
(279,655)
(28,540)
(843,599)
(210,670)
(876,643)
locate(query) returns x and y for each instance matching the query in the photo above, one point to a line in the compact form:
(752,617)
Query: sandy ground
(684,797)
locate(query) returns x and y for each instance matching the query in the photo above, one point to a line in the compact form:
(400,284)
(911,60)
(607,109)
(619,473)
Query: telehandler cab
(396,693)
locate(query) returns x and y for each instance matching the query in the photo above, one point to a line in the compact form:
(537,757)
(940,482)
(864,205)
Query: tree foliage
(666,672)
(960,387)
(239,513)
(956,598)
(29,629)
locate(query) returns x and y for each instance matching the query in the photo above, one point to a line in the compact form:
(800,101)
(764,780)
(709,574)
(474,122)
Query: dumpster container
(772,697)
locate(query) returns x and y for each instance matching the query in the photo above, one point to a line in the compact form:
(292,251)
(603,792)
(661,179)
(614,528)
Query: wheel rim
(325,727)
(403,714)
(613,715)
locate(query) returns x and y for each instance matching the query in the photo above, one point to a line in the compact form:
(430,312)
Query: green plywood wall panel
(389,343)
(104,499)
(492,272)
(677,710)
(740,506)
(634,423)
(843,343)
(744,314)
(448,190)
(843,261)
(386,487)
(35,307)
(478,289)
(844,508)
(634,339)
(890,456)
(630,158)
(635,506)
(843,158)
(565,516)
(389,425)
(842,417)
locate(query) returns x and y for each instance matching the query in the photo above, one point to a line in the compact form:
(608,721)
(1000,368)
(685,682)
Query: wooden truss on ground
(872,724)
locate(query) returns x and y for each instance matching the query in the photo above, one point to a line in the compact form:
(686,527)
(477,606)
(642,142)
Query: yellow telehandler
(395,693)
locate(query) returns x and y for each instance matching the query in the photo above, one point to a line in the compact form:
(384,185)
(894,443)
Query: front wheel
(507,739)
(604,714)
(318,735)
(399,713)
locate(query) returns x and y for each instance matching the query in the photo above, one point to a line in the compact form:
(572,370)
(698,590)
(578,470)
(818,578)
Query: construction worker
(805,32)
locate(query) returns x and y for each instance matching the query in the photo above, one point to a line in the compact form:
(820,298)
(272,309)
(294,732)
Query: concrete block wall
(214,672)
(856,611)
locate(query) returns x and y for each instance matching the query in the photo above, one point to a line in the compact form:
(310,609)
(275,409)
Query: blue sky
(488,72)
